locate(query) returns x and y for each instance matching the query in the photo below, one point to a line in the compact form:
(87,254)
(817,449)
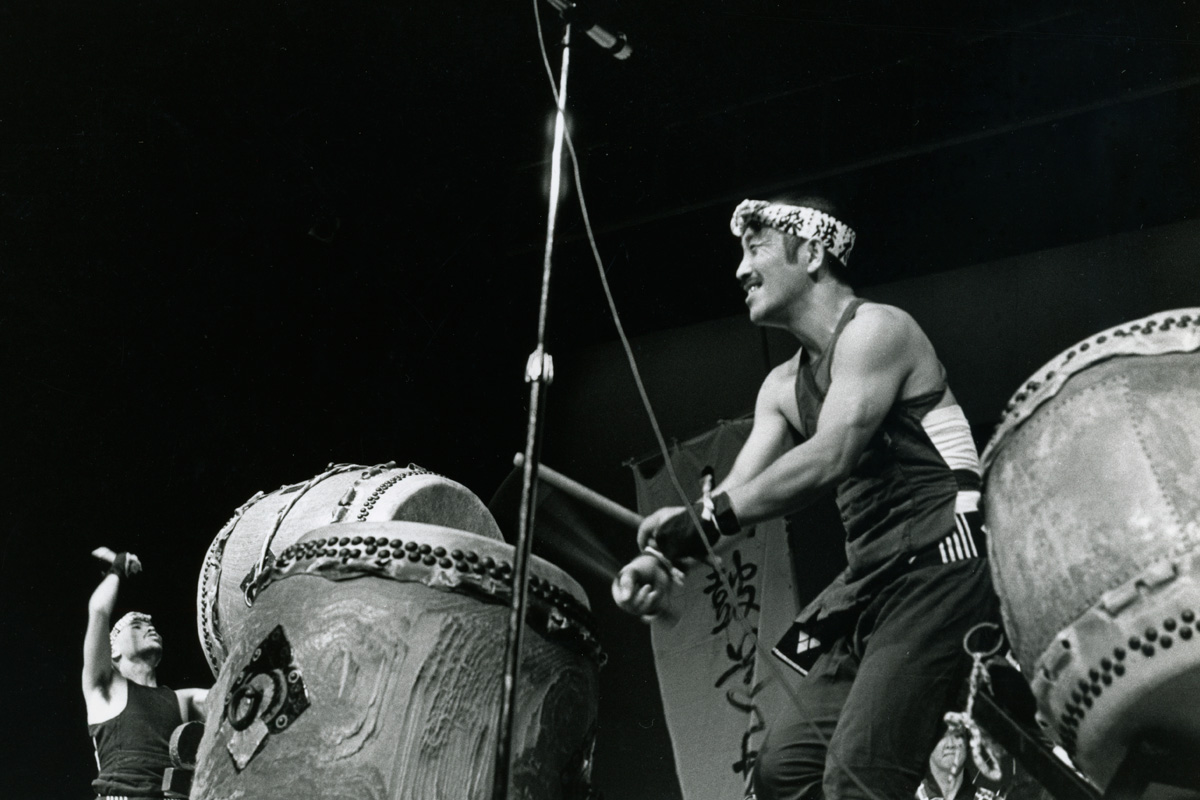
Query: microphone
(615,43)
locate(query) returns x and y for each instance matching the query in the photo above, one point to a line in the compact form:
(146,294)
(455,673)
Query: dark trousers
(870,710)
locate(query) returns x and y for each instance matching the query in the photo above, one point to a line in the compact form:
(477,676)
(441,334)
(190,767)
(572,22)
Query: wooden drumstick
(105,554)
(610,507)
(584,494)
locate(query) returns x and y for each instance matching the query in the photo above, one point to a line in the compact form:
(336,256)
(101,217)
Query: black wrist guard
(726,521)
(118,567)
(721,521)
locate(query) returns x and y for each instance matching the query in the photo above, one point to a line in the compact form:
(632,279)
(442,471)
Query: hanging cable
(725,575)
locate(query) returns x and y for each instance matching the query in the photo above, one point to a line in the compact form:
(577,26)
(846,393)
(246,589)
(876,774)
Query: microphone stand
(539,372)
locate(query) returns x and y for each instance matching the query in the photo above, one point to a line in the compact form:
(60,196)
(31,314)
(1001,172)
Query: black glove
(677,538)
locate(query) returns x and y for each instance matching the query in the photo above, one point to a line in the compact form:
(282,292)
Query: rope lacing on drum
(254,581)
(982,752)
(210,576)
(261,570)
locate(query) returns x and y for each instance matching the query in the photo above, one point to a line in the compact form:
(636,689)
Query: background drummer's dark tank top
(133,749)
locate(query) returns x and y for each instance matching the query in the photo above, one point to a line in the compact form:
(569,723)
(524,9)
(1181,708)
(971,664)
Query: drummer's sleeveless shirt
(133,749)
(902,494)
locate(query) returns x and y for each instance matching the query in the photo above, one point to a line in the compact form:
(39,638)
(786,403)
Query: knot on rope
(984,754)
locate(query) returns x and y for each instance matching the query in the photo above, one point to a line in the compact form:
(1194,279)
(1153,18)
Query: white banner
(717,692)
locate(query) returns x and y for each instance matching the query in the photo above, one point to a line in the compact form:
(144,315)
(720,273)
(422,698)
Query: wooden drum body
(371,666)
(268,523)
(1092,503)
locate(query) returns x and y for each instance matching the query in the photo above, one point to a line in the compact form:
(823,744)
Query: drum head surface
(268,523)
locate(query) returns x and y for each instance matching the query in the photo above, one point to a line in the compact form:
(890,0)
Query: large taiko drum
(1092,503)
(242,552)
(371,666)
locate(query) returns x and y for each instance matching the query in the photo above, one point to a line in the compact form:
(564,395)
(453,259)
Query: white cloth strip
(959,544)
(965,527)
(948,429)
(966,502)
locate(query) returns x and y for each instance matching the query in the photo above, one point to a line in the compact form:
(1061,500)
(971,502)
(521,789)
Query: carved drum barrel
(370,665)
(1092,503)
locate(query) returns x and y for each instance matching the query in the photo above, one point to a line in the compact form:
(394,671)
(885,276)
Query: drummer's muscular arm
(875,354)
(97,654)
(770,434)
(191,704)
(769,438)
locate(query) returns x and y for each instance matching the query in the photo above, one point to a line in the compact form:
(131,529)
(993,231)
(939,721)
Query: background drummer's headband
(123,623)
(802,221)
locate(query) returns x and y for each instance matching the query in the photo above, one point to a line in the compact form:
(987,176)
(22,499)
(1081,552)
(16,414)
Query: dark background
(239,241)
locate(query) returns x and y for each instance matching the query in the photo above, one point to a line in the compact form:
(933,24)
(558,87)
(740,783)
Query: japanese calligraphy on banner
(717,692)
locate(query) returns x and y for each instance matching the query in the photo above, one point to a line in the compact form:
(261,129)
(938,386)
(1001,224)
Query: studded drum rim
(445,559)
(208,616)
(1176,331)
(1137,638)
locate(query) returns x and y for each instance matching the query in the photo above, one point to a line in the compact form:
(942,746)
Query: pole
(539,372)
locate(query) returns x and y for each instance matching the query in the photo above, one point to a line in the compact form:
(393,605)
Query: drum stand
(539,373)
(1007,714)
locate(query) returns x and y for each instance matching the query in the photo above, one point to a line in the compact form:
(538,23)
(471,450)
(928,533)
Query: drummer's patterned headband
(802,221)
(123,623)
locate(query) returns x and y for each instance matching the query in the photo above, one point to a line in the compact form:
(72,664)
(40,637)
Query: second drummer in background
(130,716)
